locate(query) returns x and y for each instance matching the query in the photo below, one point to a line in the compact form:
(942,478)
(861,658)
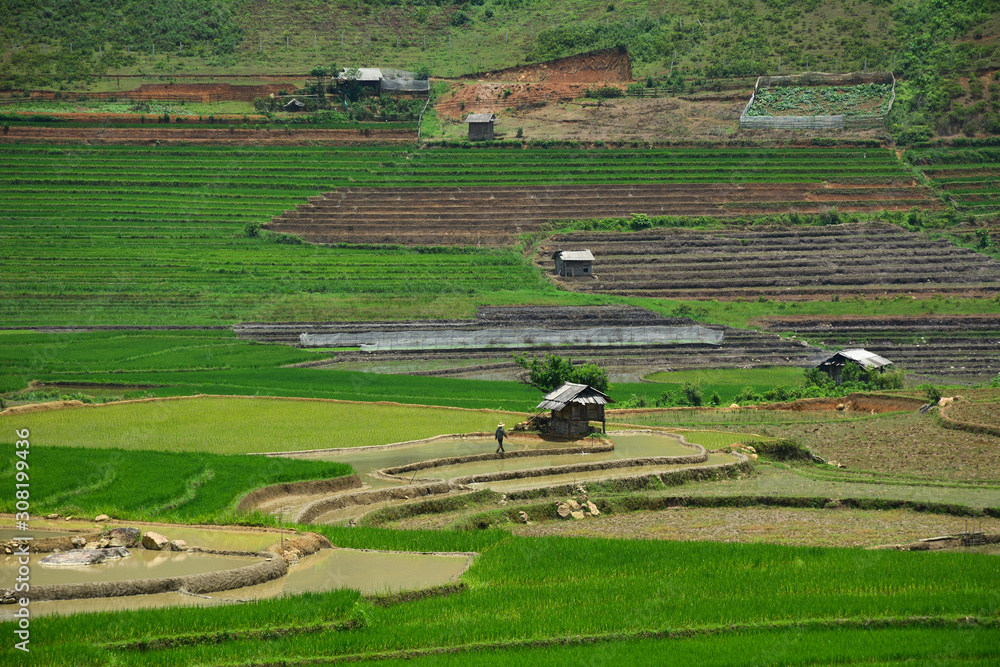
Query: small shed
(834,366)
(368,78)
(574,406)
(294,105)
(480,126)
(571,263)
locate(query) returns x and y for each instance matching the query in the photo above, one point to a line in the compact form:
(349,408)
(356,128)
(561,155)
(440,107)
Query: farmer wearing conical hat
(500,435)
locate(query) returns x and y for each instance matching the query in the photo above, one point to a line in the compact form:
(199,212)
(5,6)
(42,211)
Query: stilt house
(834,366)
(574,406)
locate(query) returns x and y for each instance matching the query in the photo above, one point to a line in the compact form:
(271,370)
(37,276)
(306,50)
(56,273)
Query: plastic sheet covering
(523,337)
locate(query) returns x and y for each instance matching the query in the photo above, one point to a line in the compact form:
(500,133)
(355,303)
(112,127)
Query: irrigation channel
(395,474)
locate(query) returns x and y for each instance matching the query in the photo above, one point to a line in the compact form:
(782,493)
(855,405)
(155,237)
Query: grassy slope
(822,34)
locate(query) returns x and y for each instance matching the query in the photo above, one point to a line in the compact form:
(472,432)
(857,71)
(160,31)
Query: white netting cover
(399,80)
(374,341)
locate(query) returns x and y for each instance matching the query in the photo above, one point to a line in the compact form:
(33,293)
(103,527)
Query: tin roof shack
(294,105)
(480,126)
(574,406)
(834,366)
(572,263)
(368,79)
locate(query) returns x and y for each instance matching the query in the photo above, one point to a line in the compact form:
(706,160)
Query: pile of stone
(577,508)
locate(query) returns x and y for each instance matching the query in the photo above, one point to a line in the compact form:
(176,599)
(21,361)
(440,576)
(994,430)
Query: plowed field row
(954,347)
(496,215)
(791,263)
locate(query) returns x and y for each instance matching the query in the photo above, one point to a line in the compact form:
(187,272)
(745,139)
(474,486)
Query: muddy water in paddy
(367,571)
(142,564)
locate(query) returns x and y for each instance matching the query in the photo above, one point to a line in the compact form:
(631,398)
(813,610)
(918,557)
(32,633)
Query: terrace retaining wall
(264,494)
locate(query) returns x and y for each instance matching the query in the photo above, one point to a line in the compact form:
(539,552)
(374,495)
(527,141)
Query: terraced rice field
(960,348)
(792,263)
(968,178)
(147,235)
(489,198)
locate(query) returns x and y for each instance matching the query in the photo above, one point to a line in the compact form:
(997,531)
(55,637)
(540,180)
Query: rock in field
(154,541)
(121,537)
(101,518)
(563,510)
(177,545)
(593,509)
(78,557)
(577,514)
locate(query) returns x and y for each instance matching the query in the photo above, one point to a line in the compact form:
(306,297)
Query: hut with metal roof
(480,126)
(574,406)
(834,366)
(294,105)
(367,78)
(571,263)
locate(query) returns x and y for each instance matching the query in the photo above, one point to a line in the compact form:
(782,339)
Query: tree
(548,373)
(320,73)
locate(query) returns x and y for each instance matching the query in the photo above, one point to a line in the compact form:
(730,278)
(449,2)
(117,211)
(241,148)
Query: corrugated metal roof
(480,118)
(861,356)
(575,255)
(364,74)
(571,392)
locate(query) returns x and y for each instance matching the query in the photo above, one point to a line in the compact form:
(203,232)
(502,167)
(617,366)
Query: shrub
(692,393)
(251,230)
(548,373)
(603,93)
(932,393)
(520,132)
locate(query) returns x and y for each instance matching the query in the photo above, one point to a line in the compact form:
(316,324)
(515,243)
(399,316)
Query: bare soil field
(606,65)
(787,263)
(907,443)
(496,215)
(154,134)
(777,525)
(963,348)
(544,102)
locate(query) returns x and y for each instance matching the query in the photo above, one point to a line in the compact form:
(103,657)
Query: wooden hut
(574,406)
(294,105)
(834,366)
(480,126)
(571,263)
